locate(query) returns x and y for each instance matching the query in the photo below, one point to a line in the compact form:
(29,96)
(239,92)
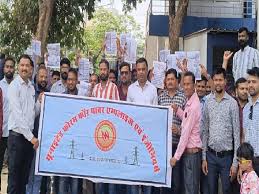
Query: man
(105,90)
(55,77)
(67,184)
(142,92)
(221,135)
(201,90)
(34,183)
(189,147)
(251,114)
(60,86)
(125,79)
(242,91)
(113,76)
(9,69)
(94,79)
(246,58)
(22,112)
(172,95)
(134,75)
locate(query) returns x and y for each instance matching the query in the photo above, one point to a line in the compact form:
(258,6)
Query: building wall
(197,42)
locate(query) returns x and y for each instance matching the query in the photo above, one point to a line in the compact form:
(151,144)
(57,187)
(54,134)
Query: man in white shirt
(22,112)
(244,59)
(142,92)
(9,70)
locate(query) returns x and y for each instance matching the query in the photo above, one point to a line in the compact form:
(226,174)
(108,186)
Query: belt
(15,133)
(220,154)
(191,150)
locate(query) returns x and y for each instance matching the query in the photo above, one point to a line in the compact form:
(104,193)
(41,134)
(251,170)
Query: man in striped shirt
(244,59)
(105,89)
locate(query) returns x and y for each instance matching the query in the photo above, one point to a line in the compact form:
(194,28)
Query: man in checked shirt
(170,96)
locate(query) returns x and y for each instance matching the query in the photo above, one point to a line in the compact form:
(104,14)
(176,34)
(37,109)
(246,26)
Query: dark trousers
(20,154)
(176,179)
(191,172)
(219,166)
(3,146)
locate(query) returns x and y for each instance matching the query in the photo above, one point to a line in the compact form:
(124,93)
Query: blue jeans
(34,183)
(68,185)
(219,166)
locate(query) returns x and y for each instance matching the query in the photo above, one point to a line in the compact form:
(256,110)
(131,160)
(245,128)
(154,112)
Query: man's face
(93,80)
(243,39)
(253,85)
(42,77)
(64,71)
(54,79)
(125,75)
(188,86)
(71,81)
(219,83)
(104,72)
(9,69)
(171,82)
(142,72)
(25,69)
(208,88)
(242,91)
(201,88)
(112,77)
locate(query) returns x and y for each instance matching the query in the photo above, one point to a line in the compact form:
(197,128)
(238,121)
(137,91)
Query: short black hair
(189,73)
(253,72)
(94,74)
(25,56)
(65,61)
(105,62)
(142,60)
(245,151)
(171,71)
(124,64)
(219,71)
(74,71)
(203,78)
(57,73)
(10,59)
(243,29)
(240,81)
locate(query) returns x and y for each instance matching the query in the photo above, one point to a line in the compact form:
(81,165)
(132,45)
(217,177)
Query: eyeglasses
(251,113)
(243,161)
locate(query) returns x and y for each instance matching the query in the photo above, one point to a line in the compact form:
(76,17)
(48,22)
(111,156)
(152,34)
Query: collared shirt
(180,100)
(243,60)
(110,91)
(251,126)
(190,135)
(123,97)
(146,95)
(220,125)
(22,107)
(58,87)
(4,86)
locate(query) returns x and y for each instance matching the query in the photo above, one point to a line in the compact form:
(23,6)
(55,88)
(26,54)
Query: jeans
(34,183)
(3,146)
(177,178)
(68,185)
(219,166)
(20,154)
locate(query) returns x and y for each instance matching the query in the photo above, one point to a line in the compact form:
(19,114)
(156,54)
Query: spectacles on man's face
(243,161)
(251,113)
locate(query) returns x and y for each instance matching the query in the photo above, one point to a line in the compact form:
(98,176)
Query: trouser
(219,166)
(68,185)
(20,154)
(3,146)
(34,182)
(177,177)
(191,172)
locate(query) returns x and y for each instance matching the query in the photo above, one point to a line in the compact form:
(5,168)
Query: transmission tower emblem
(105,135)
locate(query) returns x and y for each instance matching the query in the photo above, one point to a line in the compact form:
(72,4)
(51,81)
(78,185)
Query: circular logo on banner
(105,135)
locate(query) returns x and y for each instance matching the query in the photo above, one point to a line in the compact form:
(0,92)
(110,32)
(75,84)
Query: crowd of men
(209,123)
